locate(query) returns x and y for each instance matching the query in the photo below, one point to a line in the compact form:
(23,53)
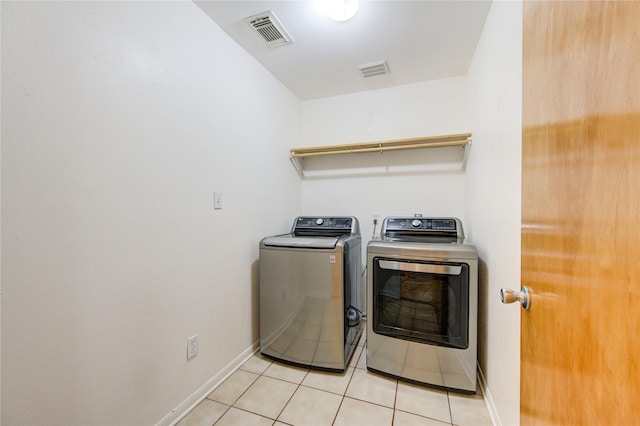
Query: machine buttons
(416,223)
(319,221)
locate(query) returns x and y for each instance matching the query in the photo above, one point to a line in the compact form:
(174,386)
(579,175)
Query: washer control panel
(324,222)
(334,225)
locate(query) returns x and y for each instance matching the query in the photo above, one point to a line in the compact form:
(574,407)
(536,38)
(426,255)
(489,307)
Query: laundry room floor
(264,392)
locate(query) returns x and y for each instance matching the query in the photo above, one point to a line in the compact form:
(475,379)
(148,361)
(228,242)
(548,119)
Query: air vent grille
(374,69)
(270,29)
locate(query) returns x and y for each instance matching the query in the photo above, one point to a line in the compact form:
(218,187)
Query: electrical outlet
(192,346)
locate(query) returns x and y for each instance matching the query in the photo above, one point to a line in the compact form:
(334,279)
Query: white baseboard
(199,395)
(488,399)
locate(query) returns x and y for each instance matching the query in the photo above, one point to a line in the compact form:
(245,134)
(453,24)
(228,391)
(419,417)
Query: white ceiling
(421,40)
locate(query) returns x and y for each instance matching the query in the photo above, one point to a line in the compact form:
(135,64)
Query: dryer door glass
(427,302)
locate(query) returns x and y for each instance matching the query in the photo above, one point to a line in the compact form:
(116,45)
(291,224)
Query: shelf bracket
(465,153)
(297,163)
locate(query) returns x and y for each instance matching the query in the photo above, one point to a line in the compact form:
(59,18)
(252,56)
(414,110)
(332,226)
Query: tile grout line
(238,398)
(352,365)
(291,397)
(395,402)
(250,412)
(393,409)
(449,404)
(344,394)
(298,386)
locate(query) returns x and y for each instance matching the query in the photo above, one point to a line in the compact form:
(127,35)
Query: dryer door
(426,302)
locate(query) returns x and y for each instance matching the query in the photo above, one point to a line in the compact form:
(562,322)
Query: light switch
(217,200)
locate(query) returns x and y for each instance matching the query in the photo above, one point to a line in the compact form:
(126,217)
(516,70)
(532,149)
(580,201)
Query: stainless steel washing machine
(422,299)
(310,285)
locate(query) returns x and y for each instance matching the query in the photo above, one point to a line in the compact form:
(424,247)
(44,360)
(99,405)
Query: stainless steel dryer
(310,284)
(422,299)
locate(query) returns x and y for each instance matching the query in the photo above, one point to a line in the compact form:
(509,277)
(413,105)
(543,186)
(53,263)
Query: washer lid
(290,240)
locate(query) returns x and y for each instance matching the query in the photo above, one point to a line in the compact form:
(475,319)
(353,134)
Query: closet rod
(378,148)
(394,145)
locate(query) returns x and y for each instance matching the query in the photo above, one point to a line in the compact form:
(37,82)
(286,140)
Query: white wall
(120,119)
(486,197)
(427,181)
(493,200)
(119,122)
(0,228)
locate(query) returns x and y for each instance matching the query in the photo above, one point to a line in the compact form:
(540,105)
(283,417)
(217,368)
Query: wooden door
(580,344)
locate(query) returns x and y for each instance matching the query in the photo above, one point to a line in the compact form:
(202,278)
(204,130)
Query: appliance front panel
(425,302)
(309,310)
(411,358)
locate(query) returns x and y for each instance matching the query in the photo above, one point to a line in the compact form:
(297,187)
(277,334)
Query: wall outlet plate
(192,346)
(217,200)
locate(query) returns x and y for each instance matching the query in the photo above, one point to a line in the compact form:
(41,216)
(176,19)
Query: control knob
(319,221)
(416,223)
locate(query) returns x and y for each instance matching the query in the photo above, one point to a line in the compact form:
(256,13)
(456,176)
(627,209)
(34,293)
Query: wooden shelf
(463,140)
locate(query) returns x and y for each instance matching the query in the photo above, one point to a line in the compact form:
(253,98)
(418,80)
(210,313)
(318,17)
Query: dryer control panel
(422,227)
(422,224)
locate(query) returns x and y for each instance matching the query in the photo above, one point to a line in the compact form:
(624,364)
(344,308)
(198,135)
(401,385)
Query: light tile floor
(264,392)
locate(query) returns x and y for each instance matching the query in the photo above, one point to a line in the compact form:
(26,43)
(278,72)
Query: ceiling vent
(373,69)
(270,29)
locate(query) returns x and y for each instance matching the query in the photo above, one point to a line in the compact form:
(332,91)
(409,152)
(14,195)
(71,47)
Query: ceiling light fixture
(339,10)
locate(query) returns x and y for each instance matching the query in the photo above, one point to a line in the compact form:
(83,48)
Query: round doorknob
(511,296)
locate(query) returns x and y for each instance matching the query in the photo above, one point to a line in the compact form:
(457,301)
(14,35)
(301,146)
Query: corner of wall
(493,202)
